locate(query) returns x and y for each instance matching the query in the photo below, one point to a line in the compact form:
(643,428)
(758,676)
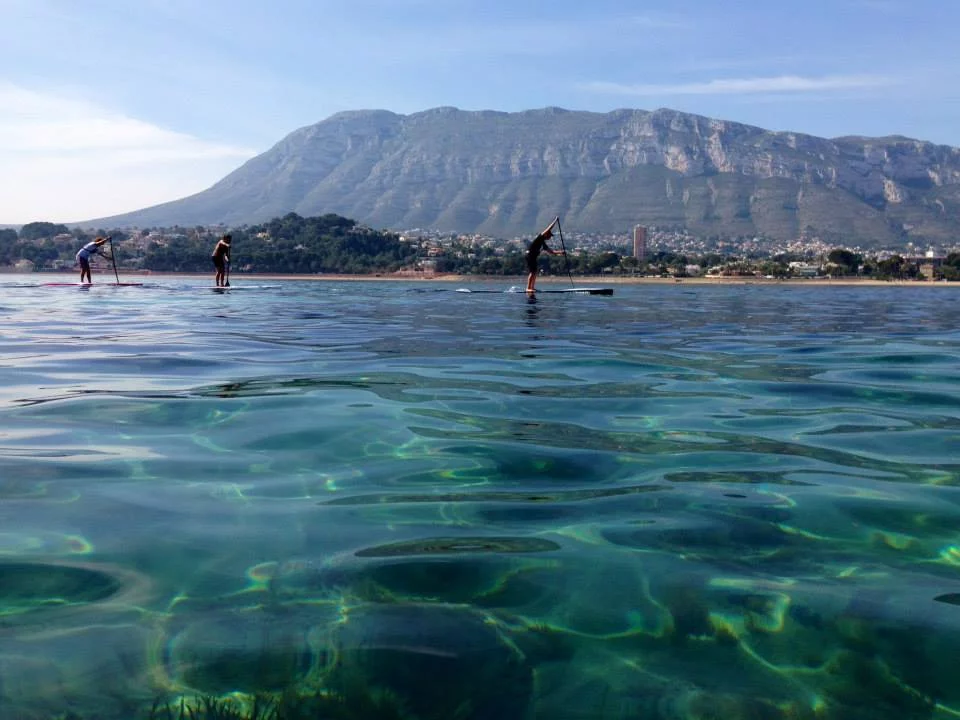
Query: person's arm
(546,234)
(548,230)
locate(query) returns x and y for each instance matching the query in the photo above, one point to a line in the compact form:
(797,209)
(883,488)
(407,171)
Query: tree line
(291,244)
(335,244)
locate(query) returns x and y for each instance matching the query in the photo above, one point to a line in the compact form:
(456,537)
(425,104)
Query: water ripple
(676,502)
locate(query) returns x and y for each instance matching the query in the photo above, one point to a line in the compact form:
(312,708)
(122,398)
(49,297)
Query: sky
(109,106)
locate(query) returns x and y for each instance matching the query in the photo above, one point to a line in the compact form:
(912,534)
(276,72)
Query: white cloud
(66,159)
(746,86)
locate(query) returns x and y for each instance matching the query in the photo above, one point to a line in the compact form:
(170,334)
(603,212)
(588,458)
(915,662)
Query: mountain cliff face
(506,174)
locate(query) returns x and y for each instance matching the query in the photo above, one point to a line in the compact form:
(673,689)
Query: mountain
(506,174)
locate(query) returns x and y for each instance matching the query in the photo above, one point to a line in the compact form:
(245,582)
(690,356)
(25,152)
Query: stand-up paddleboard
(90,285)
(511,289)
(583,291)
(231,288)
(576,290)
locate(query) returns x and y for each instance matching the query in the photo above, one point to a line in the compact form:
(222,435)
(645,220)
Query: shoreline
(552,280)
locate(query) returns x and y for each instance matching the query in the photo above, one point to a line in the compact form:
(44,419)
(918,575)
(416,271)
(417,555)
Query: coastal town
(676,252)
(640,251)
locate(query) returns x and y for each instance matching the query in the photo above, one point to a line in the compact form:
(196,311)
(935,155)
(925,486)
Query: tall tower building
(640,243)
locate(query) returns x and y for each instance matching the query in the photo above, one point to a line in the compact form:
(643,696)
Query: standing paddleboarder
(94,247)
(221,257)
(532,257)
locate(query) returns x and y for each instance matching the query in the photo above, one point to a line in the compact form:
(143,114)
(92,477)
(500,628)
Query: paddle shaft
(564,248)
(113,258)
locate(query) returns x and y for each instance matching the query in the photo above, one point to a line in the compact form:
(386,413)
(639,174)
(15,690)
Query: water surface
(678,502)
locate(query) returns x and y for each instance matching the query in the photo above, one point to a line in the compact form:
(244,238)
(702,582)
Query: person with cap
(532,257)
(94,247)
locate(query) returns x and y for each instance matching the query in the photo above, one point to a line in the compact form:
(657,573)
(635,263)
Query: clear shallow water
(678,502)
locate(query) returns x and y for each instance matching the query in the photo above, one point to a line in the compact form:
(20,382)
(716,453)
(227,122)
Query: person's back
(538,246)
(83,257)
(539,243)
(221,258)
(222,249)
(87,250)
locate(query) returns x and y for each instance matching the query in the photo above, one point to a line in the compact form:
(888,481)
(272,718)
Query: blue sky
(113,105)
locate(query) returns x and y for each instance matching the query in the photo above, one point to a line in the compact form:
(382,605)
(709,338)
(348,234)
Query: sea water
(390,499)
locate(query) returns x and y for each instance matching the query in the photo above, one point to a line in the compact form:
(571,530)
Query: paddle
(226,277)
(564,248)
(113,257)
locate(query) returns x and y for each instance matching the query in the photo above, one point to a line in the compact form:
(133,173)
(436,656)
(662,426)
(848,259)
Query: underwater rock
(38,591)
(439,661)
(461,545)
(861,687)
(484,579)
(99,671)
(601,687)
(250,650)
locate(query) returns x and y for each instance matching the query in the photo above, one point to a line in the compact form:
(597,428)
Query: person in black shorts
(532,257)
(221,258)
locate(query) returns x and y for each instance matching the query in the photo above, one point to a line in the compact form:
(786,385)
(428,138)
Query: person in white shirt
(83,257)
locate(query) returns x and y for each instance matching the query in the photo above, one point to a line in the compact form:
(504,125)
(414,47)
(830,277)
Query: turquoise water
(680,502)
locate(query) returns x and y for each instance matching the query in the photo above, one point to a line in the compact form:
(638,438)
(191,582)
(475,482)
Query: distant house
(928,264)
(802,269)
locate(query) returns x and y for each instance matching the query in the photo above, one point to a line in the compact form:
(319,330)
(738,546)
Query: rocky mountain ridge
(507,173)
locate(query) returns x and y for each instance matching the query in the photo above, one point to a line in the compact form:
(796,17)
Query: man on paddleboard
(221,257)
(532,257)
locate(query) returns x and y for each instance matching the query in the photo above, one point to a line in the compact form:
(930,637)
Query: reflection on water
(390,500)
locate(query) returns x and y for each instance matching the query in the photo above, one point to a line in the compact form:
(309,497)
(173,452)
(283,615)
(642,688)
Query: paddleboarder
(532,257)
(94,247)
(221,258)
